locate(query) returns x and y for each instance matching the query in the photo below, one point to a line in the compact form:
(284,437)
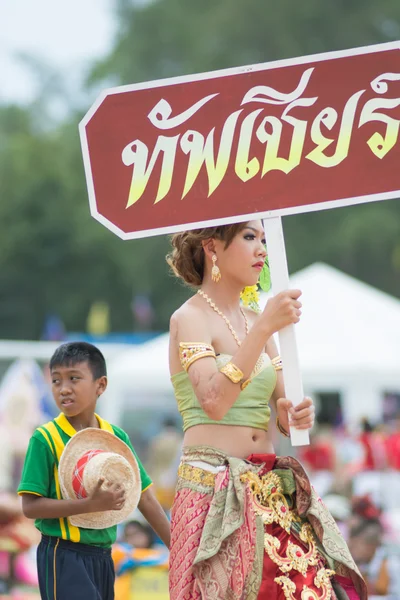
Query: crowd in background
(357,474)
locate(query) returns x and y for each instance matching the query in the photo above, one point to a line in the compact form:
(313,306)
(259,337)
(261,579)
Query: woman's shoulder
(189,309)
(190,315)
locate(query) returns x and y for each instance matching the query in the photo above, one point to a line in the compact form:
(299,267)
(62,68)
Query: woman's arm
(215,392)
(152,511)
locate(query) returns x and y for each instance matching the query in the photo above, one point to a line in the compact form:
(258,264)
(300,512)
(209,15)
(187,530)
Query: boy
(75,562)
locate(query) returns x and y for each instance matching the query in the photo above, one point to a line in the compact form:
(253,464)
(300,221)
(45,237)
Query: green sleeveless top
(251,408)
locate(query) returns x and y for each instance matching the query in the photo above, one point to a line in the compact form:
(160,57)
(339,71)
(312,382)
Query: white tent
(138,375)
(348,340)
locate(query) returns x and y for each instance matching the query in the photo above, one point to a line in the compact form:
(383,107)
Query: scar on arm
(216,392)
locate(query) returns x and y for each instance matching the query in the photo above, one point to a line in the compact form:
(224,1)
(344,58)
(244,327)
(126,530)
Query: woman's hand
(282,310)
(301,416)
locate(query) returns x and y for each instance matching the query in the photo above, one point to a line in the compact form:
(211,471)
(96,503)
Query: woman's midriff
(235,440)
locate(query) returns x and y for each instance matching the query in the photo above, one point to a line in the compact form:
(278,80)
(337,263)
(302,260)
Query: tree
(55,258)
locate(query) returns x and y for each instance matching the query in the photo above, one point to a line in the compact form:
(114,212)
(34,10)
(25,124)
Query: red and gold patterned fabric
(255,529)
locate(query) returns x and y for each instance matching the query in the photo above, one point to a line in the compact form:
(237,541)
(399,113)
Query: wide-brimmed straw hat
(94,454)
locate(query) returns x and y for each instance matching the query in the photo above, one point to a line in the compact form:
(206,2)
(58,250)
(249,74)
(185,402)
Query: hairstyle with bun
(187,257)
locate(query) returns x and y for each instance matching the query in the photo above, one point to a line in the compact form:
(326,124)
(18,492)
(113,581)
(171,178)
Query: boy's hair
(72,353)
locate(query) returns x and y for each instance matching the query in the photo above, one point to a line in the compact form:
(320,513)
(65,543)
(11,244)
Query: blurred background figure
(138,535)
(25,402)
(164,452)
(98,321)
(143,312)
(53,329)
(319,458)
(373,443)
(378,560)
(393,445)
(141,564)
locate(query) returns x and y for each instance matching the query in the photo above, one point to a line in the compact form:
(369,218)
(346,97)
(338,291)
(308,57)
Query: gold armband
(189,352)
(281,429)
(277,363)
(232,372)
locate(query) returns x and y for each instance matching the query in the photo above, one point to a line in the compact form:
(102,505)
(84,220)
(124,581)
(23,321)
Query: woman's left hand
(301,416)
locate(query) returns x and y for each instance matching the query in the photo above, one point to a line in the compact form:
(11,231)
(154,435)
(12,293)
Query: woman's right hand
(282,310)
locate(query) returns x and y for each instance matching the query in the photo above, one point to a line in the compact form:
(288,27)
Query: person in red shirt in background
(393,446)
(375,456)
(320,454)
(319,459)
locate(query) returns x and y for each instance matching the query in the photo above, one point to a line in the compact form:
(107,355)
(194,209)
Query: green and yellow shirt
(40,477)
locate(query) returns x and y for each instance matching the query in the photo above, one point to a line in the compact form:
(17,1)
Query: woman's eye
(249,236)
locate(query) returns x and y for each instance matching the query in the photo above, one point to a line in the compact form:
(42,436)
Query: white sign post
(287,337)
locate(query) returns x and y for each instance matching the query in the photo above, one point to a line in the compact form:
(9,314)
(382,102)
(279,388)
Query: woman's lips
(259,266)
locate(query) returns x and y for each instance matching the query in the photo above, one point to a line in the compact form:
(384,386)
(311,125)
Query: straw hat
(93,454)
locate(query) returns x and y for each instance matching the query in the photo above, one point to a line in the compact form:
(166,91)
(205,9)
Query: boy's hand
(109,497)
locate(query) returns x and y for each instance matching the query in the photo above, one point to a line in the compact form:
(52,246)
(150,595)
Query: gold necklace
(221,314)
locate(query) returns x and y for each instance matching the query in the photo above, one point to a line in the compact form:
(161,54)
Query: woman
(245,523)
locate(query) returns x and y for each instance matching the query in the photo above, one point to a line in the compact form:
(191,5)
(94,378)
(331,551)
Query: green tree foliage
(54,258)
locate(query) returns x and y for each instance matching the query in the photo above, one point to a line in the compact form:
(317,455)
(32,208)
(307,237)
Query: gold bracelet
(245,384)
(232,372)
(281,429)
(277,363)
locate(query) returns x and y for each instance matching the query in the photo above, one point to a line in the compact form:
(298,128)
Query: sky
(66,36)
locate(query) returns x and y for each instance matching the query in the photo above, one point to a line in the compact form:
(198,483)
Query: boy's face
(74,388)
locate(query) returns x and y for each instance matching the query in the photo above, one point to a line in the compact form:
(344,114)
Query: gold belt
(196,475)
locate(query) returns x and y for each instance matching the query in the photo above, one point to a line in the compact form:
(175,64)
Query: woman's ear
(209,247)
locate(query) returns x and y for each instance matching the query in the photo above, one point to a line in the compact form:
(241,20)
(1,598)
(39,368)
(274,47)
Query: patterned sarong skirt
(255,529)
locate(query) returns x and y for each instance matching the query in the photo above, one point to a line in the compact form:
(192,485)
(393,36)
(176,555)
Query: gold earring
(215,272)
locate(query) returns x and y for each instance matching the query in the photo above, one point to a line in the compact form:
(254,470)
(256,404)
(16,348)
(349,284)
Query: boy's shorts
(74,571)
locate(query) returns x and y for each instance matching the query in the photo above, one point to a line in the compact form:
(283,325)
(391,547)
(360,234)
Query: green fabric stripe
(67,529)
(65,438)
(43,434)
(52,445)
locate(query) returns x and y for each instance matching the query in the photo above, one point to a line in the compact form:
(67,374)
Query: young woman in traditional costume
(246,524)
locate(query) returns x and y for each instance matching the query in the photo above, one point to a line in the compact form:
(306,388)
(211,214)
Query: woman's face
(244,258)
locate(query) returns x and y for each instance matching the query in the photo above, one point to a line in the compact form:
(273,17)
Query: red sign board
(272,139)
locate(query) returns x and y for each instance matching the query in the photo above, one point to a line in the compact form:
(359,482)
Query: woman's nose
(262,251)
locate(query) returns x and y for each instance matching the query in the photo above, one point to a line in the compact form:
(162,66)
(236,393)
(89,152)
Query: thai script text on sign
(216,154)
(280,138)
